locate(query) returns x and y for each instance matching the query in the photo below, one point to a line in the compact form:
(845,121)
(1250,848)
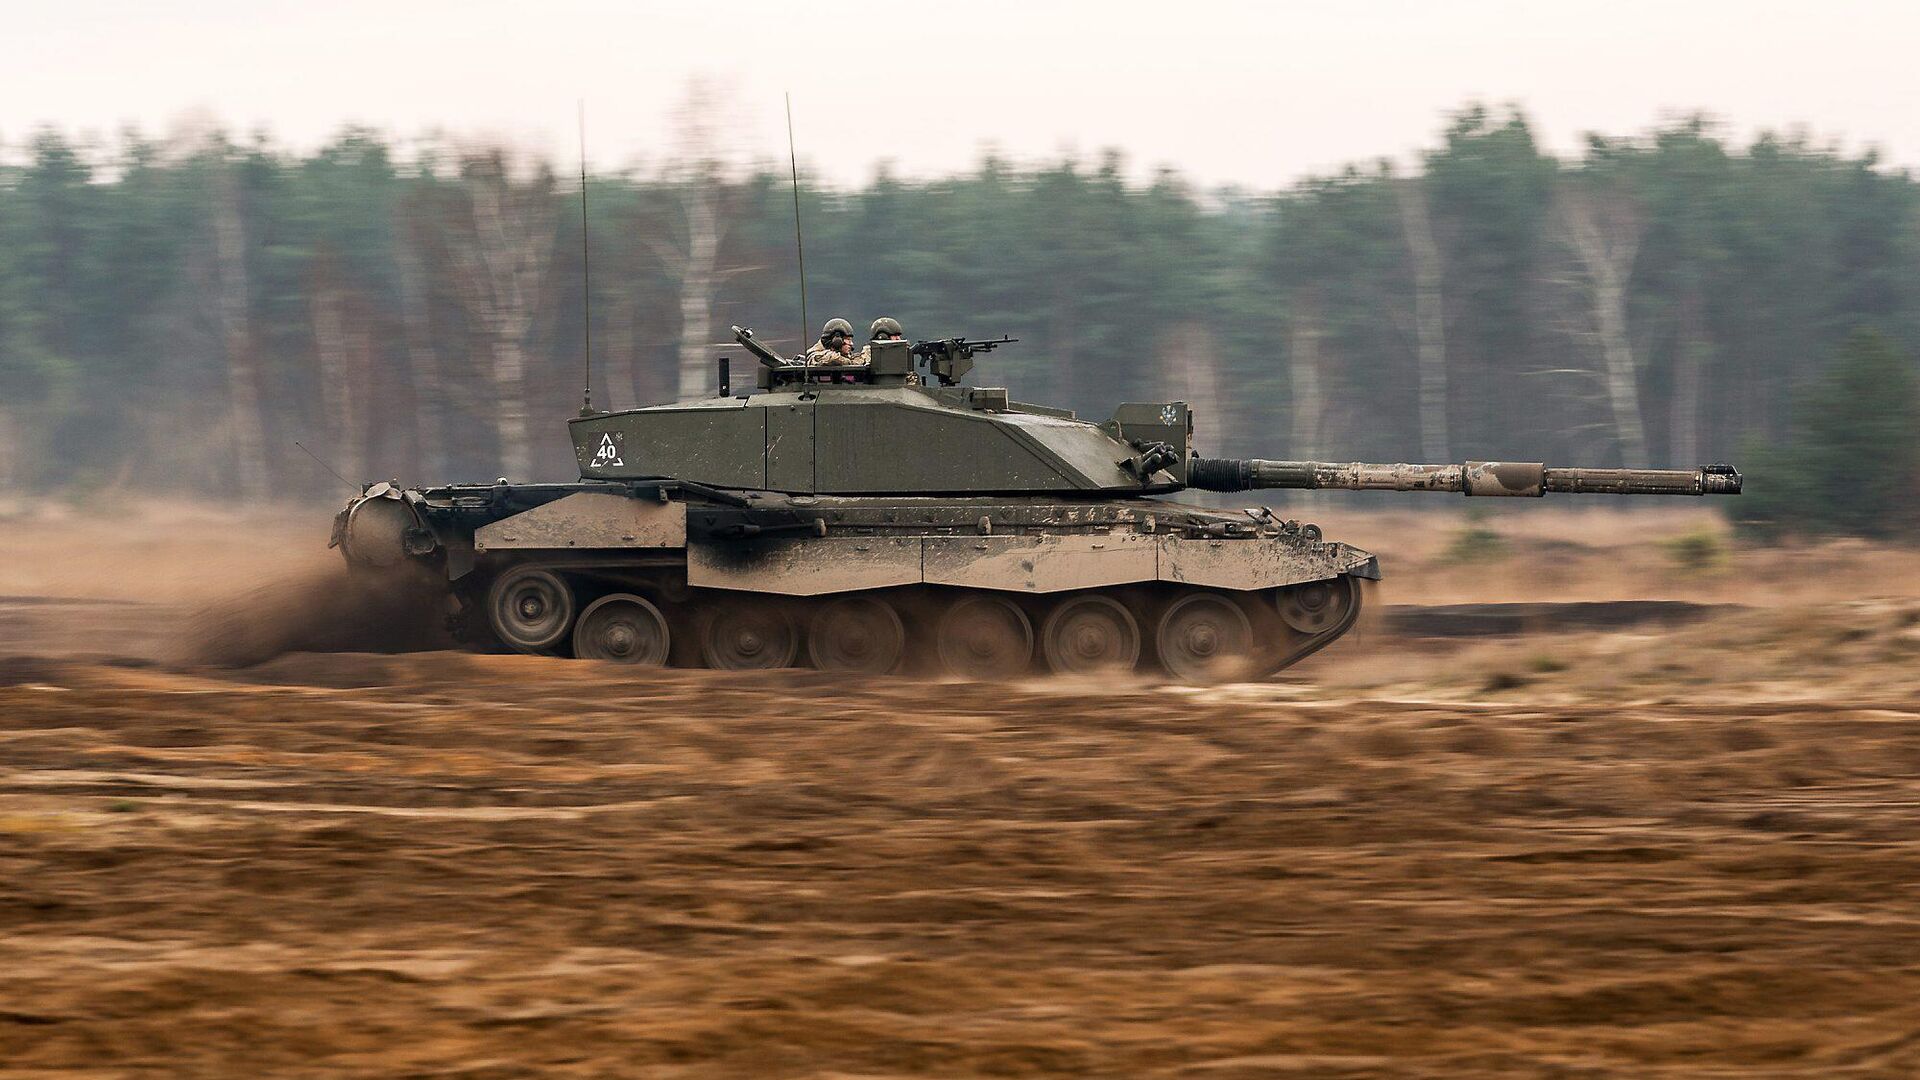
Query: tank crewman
(835,346)
(883,329)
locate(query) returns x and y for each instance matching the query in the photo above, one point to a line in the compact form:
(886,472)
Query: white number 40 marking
(608,454)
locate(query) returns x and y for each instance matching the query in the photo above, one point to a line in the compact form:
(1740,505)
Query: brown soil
(1650,850)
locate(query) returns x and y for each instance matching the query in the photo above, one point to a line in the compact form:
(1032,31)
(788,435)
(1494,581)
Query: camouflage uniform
(820,355)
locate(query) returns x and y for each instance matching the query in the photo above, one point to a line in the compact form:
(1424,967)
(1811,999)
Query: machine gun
(949,359)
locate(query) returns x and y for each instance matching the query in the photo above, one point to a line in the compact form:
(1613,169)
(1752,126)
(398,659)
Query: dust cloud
(319,609)
(187,585)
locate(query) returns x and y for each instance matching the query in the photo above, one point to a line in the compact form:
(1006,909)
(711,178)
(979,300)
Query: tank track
(1155,628)
(638,603)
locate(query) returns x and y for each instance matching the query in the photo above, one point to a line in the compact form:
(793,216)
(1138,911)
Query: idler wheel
(1317,606)
(530,609)
(742,636)
(1205,636)
(984,637)
(857,634)
(1086,634)
(624,628)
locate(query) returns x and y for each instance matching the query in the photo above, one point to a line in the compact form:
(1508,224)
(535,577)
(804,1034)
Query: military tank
(885,515)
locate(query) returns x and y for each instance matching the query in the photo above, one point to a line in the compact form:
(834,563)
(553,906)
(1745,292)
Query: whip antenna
(586,278)
(799,249)
(324,465)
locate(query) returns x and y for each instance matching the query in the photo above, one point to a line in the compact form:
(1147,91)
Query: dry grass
(1601,553)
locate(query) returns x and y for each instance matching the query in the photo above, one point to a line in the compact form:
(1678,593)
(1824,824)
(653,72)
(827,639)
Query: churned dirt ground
(1588,845)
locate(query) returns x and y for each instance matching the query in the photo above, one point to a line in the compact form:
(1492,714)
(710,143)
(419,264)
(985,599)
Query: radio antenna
(586,278)
(329,468)
(799,249)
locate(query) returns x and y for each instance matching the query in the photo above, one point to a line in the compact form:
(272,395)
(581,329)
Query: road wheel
(984,637)
(1205,636)
(530,609)
(858,634)
(1317,606)
(750,636)
(623,628)
(1090,633)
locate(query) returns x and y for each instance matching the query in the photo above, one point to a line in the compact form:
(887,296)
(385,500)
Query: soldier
(835,346)
(883,329)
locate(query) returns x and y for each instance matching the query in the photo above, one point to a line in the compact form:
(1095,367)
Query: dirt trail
(1642,851)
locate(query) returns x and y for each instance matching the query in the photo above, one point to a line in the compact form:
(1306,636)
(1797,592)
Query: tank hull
(979,586)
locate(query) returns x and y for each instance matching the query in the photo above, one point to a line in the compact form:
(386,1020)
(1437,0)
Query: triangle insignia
(608,454)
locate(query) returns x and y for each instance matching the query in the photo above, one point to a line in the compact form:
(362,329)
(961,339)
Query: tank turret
(873,513)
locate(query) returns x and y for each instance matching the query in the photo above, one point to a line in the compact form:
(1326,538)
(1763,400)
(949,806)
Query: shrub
(1696,552)
(1475,542)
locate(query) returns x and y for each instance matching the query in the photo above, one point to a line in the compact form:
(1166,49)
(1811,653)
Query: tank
(888,515)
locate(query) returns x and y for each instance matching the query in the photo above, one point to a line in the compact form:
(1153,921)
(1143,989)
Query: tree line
(175,314)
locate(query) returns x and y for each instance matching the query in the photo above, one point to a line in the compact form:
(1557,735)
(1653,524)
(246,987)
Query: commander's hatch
(890,364)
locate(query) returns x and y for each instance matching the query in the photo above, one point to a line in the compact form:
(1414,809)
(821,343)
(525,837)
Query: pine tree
(1852,466)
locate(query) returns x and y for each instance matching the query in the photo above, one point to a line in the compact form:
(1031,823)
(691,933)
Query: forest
(175,314)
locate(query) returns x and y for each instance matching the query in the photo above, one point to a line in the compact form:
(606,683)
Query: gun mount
(949,359)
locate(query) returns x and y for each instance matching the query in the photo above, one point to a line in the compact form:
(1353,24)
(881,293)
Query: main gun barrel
(1525,479)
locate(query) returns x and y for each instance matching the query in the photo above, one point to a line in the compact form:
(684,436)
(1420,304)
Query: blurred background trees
(1851,465)
(173,315)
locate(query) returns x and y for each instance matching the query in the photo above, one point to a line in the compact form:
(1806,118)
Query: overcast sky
(1256,94)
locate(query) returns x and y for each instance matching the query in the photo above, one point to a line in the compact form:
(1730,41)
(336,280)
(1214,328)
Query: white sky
(1256,94)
